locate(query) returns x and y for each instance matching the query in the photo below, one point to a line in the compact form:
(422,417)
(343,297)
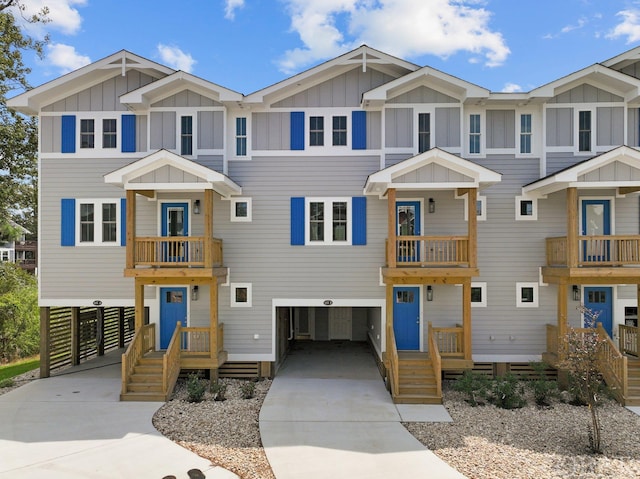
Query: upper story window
(525,133)
(241,136)
(109,133)
(316,131)
(329,221)
(186,135)
(87,133)
(584,130)
(339,131)
(98,222)
(424,132)
(474,133)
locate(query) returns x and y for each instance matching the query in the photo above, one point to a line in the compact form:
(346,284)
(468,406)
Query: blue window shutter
(128,133)
(68,134)
(123,222)
(359,130)
(297,130)
(68,222)
(359,220)
(297,221)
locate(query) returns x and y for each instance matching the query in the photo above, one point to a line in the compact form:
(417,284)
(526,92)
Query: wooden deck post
(472,228)
(75,336)
(139,307)
(213,321)
(45,341)
(121,327)
(131,230)
(392,228)
(466,315)
(562,313)
(208,228)
(572,227)
(388,322)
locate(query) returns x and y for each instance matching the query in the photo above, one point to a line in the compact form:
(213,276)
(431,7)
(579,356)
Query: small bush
(507,392)
(474,386)
(7,383)
(248,389)
(195,388)
(219,391)
(543,389)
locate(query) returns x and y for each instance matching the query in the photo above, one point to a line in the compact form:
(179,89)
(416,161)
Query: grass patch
(19,367)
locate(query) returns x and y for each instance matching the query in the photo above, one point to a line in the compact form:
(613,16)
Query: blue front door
(406,317)
(408,221)
(175,222)
(173,308)
(599,300)
(596,221)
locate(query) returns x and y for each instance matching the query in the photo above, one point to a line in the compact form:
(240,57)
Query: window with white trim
(339,131)
(526,295)
(479,295)
(241,295)
(424,132)
(474,133)
(109,133)
(241,210)
(186,135)
(98,222)
(481,208)
(316,131)
(584,131)
(241,136)
(526,208)
(87,133)
(525,133)
(329,221)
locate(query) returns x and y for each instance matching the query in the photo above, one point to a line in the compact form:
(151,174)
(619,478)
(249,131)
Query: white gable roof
(471,174)
(206,178)
(578,175)
(33,100)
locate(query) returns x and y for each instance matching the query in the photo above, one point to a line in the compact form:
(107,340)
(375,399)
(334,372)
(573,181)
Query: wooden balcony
(595,251)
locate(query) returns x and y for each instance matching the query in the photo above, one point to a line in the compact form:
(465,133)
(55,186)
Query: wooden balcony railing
(606,250)
(432,251)
(195,341)
(450,341)
(177,251)
(171,362)
(628,339)
(143,341)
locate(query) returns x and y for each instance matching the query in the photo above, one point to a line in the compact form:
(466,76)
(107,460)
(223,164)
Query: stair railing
(394,363)
(436,358)
(613,365)
(143,341)
(171,362)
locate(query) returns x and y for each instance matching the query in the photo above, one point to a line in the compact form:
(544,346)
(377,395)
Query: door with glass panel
(596,223)
(408,226)
(175,222)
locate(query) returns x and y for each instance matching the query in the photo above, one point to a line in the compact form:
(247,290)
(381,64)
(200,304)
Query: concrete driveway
(74,426)
(328,414)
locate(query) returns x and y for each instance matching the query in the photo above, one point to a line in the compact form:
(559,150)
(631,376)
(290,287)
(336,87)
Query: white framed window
(526,132)
(240,295)
(475,132)
(526,208)
(479,295)
(585,130)
(241,136)
(241,210)
(316,131)
(328,221)
(526,295)
(339,130)
(98,222)
(98,132)
(109,133)
(87,133)
(186,135)
(424,132)
(481,208)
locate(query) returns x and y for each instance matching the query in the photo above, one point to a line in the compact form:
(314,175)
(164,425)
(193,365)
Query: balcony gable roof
(434,169)
(167,171)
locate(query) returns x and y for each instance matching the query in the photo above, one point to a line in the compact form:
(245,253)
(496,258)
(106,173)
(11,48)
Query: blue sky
(246,45)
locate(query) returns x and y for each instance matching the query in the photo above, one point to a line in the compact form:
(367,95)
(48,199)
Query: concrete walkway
(328,414)
(74,426)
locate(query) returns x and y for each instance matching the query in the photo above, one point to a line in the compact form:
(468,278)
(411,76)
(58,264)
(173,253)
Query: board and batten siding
(559,126)
(271,131)
(185,99)
(163,131)
(501,128)
(421,95)
(586,93)
(398,127)
(609,126)
(447,129)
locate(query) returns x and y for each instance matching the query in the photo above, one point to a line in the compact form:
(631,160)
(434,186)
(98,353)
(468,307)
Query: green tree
(18,134)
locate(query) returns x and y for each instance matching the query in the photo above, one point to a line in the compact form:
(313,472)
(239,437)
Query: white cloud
(176,58)
(579,24)
(63,16)
(404,28)
(231,7)
(511,88)
(65,57)
(629,27)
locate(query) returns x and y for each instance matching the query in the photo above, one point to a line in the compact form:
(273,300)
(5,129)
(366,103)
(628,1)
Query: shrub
(6,383)
(474,386)
(543,389)
(195,388)
(507,392)
(219,391)
(248,389)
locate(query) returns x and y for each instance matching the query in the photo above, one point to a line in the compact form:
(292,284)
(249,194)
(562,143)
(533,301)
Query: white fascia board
(435,186)
(168,186)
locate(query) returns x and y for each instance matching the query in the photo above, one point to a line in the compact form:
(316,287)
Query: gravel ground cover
(21,380)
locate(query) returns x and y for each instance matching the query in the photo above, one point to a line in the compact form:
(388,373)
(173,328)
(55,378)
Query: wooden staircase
(145,383)
(416,380)
(633,383)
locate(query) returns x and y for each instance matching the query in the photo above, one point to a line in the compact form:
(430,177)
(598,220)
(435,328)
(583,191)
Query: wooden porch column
(45,341)
(392,227)
(75,336)
(388,322)
(472,228)
(131,229)
(572,227)
(208,228)
(213,321)
(466,315)
(139,308)
(562,312)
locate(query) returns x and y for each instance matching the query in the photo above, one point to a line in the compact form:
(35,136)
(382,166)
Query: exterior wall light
(432,205)
(429,293)
(576,293)
(196,207)
(195,292)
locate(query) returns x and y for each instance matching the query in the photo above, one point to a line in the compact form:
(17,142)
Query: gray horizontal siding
(560,161)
